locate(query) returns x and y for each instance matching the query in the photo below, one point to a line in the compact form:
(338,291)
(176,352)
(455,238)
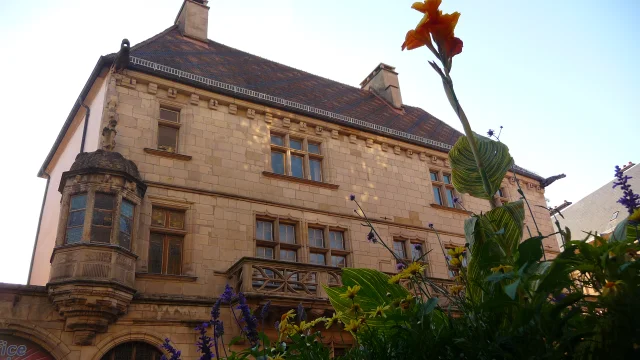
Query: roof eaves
(102,61)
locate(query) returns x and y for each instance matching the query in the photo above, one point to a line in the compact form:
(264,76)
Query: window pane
(288,255)
(124,237)
(76,218)
(264,252)
(437,197)
(100,234)
(126,209)
(296,166)
(264,230)
(398,248)
(447,179)
(156,243)
(314,148)
(167,138)
(277,162)
(295,144)
(174,262)
(287,234)
(338,261)
(336,239)
(102,218)
(74,235)
(434,176)
(78,202)
(317,258)
(415,253)
(104,201)
(176,220)
(316,238)
(277,140)
(316,169)
(169,115)
(501,192)
(158,217)
(449,193)
(124,240)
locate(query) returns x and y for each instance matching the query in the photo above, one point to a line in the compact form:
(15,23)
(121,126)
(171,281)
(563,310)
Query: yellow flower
(456,289)
(277,357)
(353,326)
(412,270)
(395,278)
(351,292)
(457,251)
(612,287)
(379,311)
(333,320)
(455,262)
(406,302)
(288,315)
(355,308)
(635,216)
(502,268)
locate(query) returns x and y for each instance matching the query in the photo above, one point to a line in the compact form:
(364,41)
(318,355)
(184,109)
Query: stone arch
(37,335)
(125,336)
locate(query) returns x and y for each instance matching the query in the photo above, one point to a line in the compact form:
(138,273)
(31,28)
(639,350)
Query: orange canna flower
(434,23)
(415,39)
(427,7)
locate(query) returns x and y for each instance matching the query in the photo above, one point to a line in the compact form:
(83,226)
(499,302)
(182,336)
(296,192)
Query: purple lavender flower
(277,325)
(302,314)
(418,247)
(175,354)
(559,297)
(371,237)
(227,295)
(431,225)
(250,321)
(456,199)
(215,310)
(352,197)
(265,310)
(490,132)
(629,200)
(204,342)
(400,266)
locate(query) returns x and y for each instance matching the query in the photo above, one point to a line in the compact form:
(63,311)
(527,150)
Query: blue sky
(561,77)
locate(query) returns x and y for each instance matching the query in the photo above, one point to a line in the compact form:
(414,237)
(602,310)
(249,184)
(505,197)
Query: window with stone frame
(104,209)
(133,351)
(502,195)
(452,271)
(327,246)
(443,191)
(276,238)
(166,241)
(410,250)
(168,129)
(296,156)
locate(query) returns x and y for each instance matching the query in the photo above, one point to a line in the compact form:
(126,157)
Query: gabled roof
(228,65)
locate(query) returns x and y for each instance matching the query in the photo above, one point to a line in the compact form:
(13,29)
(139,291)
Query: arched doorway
(133,351)
(16,348)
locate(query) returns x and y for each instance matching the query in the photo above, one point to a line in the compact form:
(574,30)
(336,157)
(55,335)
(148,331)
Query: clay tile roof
(223,63)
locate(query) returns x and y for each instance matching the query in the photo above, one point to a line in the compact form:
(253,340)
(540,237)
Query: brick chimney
(383,81)
(193,19)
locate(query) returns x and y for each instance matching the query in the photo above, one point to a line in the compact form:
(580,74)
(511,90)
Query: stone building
(187,165)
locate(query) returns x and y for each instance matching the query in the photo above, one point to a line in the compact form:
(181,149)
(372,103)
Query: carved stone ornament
(233,109)
(353,139)
(385,147)
(434,159)
(128,82)
(109,132)
(152,88)
(409,153)
(446,163)
(251,113)
(286,122)
(423,156)
(268,118)
(512,179)
(172,93)
(397,150)
(369,142)
(303,126)
(335,134)
(213,104)
(318,130)
(194,99)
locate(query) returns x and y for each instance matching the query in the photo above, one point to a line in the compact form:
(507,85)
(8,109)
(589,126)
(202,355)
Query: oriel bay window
(296,156)
(333,250)
(166,241)
(276,239)
(107,217)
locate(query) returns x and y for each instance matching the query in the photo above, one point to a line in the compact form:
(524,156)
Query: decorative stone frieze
(369,142)
(335,134)
(397,150)
(128,82)
(213,104)
(303,126)
(353,139)
(385,147)
(233,109)
(152,88)
(286,122)
(194,99)
(268,118)
(172,92)
(318,130)
(251,113)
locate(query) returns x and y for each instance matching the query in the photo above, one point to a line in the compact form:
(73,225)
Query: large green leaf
(466,175)
(626,231)
(375,291)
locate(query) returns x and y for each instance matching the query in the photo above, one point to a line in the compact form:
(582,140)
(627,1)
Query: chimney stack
(383,81)
(193,19)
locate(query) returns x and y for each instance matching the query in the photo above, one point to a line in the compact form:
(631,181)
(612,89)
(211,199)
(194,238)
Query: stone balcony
(289,281)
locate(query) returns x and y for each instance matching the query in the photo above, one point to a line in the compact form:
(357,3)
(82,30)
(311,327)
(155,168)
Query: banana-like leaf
(466,175)
(626,231)
(375,291)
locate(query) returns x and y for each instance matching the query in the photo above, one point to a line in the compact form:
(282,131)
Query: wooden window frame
(84,219)
(168,123)
(276,244)
(304,153)
(166,231)
(408,248)
(443,187)
(328,250)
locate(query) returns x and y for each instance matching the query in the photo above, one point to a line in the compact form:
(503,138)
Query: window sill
(167,154)
(456,210)
(299,180)
(165,277)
